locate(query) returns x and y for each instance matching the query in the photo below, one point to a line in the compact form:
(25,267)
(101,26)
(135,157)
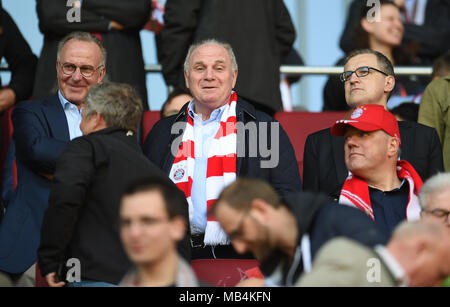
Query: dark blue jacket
(285,177)
(40,135)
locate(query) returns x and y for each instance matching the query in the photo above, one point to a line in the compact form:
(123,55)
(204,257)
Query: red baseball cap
(368,117)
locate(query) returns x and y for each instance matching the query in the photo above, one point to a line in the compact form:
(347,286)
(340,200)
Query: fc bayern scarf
(355,192)
(221,170)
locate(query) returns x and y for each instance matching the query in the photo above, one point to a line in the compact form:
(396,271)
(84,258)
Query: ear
(366,25)
(102,75)
(261,209)
(389,84)
(393,146)
(177,228)
(235,74)
(186,79)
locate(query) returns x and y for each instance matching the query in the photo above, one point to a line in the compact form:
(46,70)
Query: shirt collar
(64,102)
(396,269)
(216,115)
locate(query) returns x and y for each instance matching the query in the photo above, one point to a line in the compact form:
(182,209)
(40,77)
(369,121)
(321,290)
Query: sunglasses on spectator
(360,72)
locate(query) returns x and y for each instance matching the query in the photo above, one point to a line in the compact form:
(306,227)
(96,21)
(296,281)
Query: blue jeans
(89,283)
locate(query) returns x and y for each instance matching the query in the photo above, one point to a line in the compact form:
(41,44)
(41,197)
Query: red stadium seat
(223,272)
(298,125)
(149,118)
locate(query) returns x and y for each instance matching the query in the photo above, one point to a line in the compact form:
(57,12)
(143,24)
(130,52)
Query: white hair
(437,183)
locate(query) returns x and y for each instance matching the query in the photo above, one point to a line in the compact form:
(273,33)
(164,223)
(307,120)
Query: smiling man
(42,129)
(215,138)
(368,78)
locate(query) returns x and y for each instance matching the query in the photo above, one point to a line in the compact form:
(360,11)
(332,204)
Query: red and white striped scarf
(221,170)
(355,192)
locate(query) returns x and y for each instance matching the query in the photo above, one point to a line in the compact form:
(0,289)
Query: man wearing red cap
(368,79)
(378,183)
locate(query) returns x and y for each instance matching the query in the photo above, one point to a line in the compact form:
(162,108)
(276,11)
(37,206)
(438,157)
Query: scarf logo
(178,174)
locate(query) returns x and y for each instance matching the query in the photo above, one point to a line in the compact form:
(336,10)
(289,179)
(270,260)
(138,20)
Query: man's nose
(240,246)
(77,74)
(351,141)
(209,74)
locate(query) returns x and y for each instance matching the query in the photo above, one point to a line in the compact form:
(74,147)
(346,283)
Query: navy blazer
(40,135)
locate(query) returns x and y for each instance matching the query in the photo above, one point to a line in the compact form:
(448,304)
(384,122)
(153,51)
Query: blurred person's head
(368,78)
(406,111)
(250,212)
(111,105)
(441,66)
(434,198)
(175,101)
(80,64)
(210,71)
(152,221)
(422,248)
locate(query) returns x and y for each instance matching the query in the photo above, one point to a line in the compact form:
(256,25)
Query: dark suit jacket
(266,22)
(124,59)
(40,135)
(82,220)
(324,164)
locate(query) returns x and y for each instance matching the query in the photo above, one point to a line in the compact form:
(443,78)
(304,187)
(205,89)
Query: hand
(251,282)
(7,99)
(53,280)
(116,26)
(399,3)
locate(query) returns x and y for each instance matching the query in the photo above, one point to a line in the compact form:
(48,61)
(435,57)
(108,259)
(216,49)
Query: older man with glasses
(42,129)
(368,79)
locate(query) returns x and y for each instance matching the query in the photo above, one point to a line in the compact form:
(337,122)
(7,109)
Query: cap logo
(357,113)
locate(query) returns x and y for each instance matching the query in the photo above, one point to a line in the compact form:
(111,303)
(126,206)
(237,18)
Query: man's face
(365,151)
(79,53)
(210,77)
(438,203)
(247,232)
(147,233)
(87,125)
(371,89)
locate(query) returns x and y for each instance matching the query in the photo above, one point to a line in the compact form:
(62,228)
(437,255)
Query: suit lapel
(405,149)
(56,118)
(337,143)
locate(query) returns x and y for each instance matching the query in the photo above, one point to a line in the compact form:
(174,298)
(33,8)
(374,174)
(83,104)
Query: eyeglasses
(238,231)
(360,72)
(85,70)
(440,213)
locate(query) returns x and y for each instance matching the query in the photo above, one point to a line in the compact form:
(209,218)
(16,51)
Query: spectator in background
(115,22)
(42,128)
(368,78)
(434,112)
(384,36)
(81,221)
(152,221)
(441,66)
(426,28)
(406,111)
(21,62)
(211,142)
(266,22)
(434,198)
(378,183)
(175,101)
(416,256)
(286,233)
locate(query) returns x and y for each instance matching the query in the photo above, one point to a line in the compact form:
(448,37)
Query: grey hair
(437,183)
(228,48)
(84,37)
(117,103)
(409,229)
(383,61)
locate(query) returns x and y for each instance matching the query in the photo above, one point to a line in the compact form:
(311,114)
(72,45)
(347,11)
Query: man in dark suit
(369,79)
(82,220)
(268,24)
(41,131)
